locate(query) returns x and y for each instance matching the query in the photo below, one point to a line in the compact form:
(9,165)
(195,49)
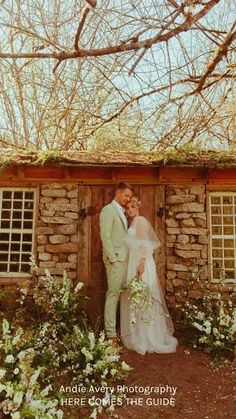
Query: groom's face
(123,196)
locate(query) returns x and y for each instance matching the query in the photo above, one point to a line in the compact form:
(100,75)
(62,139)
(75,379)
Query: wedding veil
(141,233)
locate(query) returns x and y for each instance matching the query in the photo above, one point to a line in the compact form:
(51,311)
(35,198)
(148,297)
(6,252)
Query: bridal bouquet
(141,301)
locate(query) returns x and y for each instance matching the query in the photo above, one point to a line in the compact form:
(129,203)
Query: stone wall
(186,242)
(57,229)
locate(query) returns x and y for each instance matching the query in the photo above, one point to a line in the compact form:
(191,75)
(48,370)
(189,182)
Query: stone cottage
(50,207)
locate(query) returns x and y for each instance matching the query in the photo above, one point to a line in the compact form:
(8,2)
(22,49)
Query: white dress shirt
(121,211)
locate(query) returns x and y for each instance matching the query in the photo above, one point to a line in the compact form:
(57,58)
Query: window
(17,218)
(223,235)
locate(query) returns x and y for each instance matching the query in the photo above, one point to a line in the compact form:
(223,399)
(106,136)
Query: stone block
(61,201)
(188,223)
(41,248)
(54,193)
(204,252)
(58,238)
(170,222)
(196,294)
(74,238)
(177,267)
(170,274)
(177,282)
(72,258)
(188,207)
(46,200)
(169,286)
(57,220)
(65,229)
(73,193)
(44,256)
(187,254)
(47,213)
(194,231)
(183,238)
(42,239)
(62,248)
(180,199)
(73,215)
(183,215)
(200,223)
(173,230)
(202,239)
(44,230)
(170,238)
(197,189)
(49,264)
(199,215)
(61,207)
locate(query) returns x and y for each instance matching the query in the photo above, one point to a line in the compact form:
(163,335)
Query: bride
(156,336)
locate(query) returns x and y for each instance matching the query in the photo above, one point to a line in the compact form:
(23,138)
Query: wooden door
(92,270)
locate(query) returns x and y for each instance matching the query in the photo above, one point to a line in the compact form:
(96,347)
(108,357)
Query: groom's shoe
(113,341)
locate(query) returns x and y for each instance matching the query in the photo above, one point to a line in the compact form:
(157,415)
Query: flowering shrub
(21,394)
(215,323)
(142,301)
(60,344)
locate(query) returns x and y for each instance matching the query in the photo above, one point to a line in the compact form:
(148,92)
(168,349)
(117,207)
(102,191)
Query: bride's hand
(141,267)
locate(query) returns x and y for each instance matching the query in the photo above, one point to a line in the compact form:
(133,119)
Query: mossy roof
(179,158)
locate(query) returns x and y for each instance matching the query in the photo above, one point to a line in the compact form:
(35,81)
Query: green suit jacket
(113,232)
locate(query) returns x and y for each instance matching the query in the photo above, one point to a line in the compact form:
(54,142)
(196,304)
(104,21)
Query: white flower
(198,326)
(18,398)
(78,286)
(91,340)
(9,359)
(208,330)
(5,326)
(207,323)
(15,415)
(2,373)
(125,366)
(2,387)
(21,355)
(88,369)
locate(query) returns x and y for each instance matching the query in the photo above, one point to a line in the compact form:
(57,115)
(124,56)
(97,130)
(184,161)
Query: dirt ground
(204,391)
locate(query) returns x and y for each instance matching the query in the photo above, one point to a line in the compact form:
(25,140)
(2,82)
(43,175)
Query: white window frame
(222,236)
(11,230)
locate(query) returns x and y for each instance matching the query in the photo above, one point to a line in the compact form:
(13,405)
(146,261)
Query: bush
(57,345)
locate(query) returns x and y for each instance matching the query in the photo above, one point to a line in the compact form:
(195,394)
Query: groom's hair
(123,185)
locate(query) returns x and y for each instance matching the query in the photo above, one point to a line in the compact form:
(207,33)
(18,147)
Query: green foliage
(58,345)
(213,322)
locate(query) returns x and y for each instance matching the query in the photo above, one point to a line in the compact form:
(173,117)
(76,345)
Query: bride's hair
(134,200)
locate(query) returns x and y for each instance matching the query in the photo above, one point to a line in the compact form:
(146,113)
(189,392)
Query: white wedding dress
(142,337)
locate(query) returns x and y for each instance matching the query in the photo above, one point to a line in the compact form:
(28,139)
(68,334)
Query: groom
(113,230)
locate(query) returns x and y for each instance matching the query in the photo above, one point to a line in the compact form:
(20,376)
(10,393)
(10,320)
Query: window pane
(16,215)
(230,274)
(228,231)
(217,242)
(228,210)
(17,204)
(217,253)
(216,220)
(29,195)
(217,230)
(216,210)
(215,199)
(6,194)
(228,253)
(229,264)
(18,195)
(228,220)
(227,199)
(6,204)
(229,243)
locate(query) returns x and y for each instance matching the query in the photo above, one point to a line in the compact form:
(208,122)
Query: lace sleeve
(142,236)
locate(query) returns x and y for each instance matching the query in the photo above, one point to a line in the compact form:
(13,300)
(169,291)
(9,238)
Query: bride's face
(131,210)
